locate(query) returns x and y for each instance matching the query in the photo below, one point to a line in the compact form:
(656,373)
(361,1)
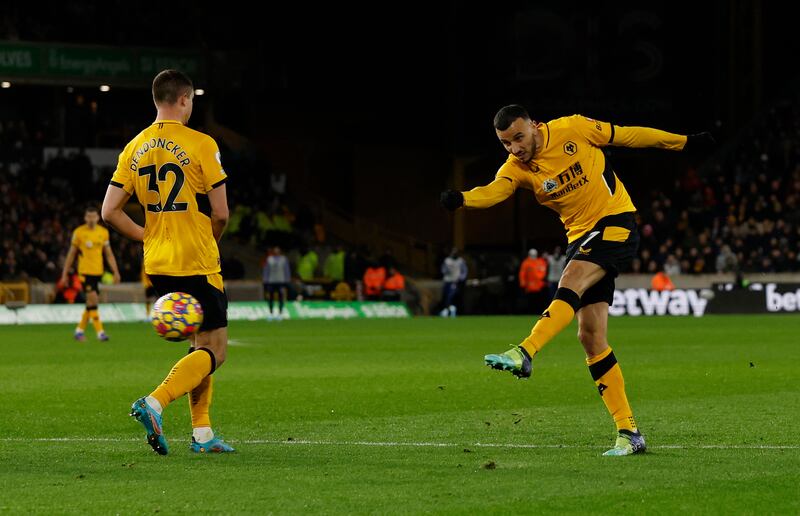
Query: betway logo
(639,301)
(782,302)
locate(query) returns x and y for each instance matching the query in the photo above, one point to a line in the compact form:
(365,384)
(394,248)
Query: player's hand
(117,278)
(63,280)
(452,199)
(700,143)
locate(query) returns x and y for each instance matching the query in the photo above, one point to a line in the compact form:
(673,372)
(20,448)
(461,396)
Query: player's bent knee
(216,342)
(594,342)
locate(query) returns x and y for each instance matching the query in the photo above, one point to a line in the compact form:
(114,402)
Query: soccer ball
(176,316)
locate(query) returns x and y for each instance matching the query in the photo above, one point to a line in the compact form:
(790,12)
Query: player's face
(519,139)
(91,218)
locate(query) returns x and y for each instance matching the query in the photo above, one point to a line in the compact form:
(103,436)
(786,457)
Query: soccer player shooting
(562,163)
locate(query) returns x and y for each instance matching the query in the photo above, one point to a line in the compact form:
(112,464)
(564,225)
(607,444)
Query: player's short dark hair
(91,208)
(170,85)
(507,114)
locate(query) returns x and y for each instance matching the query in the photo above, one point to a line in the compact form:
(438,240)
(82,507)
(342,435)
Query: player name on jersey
(159,143)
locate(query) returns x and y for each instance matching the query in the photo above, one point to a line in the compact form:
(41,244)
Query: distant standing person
(532,276)
(276,276)
(454,272)
(555,268)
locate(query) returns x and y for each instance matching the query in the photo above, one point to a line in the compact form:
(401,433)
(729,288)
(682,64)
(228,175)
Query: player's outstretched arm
(115,216)
(481,197)
(700,143)
(638,137)
(218,198)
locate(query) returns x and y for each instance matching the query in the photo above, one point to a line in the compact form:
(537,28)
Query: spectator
(532,281)
(307,267)
(555,267)
(454,273)
(334,265)
(374,279)
(394,286)
(661,282)
(671,266)
(264,224)
(276,277)
(726,260)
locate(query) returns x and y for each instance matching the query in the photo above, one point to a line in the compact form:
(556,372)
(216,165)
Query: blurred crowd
(742,217)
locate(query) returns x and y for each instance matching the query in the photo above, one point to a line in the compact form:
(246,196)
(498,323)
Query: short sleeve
(106,238)
(211,164)
(594,131)
(123,175)
(76,238)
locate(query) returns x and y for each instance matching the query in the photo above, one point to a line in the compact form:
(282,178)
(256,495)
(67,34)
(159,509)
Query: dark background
(369,108)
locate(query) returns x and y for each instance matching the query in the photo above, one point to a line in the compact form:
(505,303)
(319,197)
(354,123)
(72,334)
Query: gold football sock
(200,401)
(185,376)
(557,316)
(95,315)
(84,320)
(607,376)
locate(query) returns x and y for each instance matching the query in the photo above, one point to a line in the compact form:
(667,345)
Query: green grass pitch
(374,416)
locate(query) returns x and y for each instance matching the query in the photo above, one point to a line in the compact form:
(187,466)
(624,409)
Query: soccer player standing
(177,175)
(562,163)
(90,243)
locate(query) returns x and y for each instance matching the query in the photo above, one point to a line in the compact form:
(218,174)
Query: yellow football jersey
(90,244)
(171,168)
(570,173)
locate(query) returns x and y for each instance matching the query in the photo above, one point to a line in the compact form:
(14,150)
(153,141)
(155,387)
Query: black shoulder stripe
(611,140)
(118,185)
(548,135)
(509,179)
(219,183)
